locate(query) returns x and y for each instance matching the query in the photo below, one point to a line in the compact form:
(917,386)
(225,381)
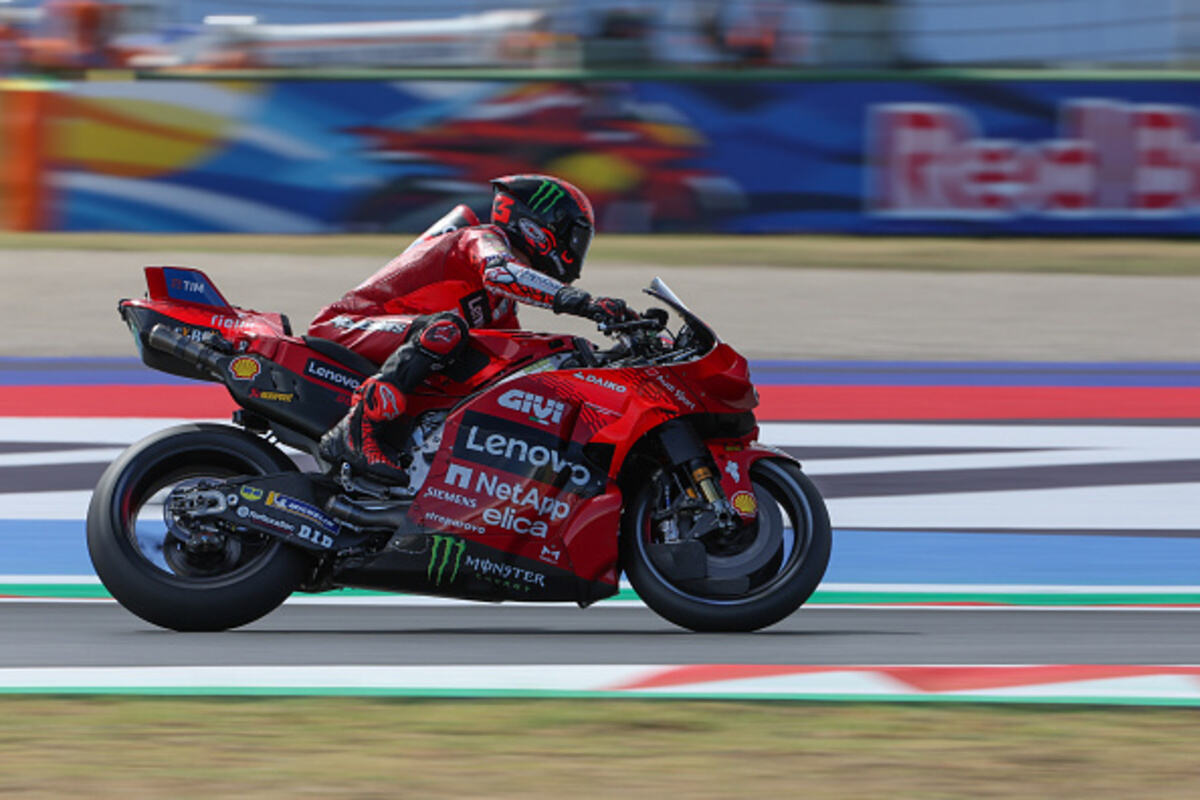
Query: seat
(342,355)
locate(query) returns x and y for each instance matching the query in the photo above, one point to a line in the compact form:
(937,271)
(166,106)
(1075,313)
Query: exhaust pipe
(162,337)
(390,516)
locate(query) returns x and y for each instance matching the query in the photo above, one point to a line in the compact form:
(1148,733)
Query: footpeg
(356,484)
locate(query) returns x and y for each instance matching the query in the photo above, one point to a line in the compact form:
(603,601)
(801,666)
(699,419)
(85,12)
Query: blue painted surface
(141,376)
(81,372)
(1008,558)
(39,547)
(43,547)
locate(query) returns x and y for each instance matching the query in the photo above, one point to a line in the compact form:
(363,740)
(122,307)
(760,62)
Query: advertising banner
(1071,157)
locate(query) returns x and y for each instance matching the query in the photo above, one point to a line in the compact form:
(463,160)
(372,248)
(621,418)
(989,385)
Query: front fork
(692,464)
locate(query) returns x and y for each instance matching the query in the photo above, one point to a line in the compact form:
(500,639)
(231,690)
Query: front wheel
(154,571)
(747,580)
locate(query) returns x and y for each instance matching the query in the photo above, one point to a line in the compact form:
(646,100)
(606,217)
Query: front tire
(796,533)
(149,572)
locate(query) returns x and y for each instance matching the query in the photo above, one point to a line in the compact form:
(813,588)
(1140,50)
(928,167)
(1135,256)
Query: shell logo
(745,504)
(244,368)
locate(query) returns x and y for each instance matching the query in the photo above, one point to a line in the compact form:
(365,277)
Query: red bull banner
(1108,159)
(978,157)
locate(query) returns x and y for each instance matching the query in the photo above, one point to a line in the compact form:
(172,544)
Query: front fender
(734,458)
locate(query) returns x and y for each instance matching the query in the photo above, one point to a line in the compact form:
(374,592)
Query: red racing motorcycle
(540,469)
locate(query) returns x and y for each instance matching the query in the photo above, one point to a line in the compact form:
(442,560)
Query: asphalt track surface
(103,634)
(67,306)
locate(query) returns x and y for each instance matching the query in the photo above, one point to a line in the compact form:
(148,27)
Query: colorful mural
(737,156)
(639,162)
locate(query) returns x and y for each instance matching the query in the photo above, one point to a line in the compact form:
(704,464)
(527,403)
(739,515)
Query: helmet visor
(578,241)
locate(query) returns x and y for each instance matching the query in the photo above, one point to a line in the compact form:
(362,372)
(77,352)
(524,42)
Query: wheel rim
(145,523)
(782,503)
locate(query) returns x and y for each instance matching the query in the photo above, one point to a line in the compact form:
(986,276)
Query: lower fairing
(428,562)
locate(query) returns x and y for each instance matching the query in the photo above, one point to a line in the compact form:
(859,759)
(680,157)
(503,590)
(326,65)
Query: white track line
(1127,685)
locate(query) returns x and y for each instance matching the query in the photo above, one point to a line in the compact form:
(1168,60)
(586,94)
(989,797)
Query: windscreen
(660,290)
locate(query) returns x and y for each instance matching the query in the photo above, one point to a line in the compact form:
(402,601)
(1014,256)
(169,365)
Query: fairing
(522,497)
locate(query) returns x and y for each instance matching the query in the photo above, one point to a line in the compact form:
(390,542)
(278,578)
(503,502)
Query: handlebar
(631,325)
(638,337)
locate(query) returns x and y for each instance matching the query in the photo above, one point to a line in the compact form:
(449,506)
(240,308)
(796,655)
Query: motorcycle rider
(414,314)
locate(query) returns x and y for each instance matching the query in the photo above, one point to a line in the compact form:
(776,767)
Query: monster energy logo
(548,193)
(444,546)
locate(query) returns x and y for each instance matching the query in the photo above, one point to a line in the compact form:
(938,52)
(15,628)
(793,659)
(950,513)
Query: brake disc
(764,540)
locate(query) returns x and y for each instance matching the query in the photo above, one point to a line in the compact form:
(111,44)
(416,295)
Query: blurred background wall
(883,116)
(841,33)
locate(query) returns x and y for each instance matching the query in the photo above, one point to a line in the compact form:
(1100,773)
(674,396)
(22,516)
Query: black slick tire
(173,601)
(779,598)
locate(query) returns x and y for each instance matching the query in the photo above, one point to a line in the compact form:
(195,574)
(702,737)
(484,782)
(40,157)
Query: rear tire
(778,585)
(251,577)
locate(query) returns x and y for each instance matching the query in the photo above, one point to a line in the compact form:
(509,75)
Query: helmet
(547,219)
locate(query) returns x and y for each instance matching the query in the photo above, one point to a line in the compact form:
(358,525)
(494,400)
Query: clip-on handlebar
(655,319)
(638,336)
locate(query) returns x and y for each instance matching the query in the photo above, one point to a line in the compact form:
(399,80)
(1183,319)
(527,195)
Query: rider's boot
(357,438)
(432,343)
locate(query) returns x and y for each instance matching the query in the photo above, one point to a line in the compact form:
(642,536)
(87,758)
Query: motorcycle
(541,468)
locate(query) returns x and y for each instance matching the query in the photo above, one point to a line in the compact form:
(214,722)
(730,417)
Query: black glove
(569,300)
(610,310)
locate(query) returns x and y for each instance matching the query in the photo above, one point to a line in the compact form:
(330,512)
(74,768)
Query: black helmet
(547,219)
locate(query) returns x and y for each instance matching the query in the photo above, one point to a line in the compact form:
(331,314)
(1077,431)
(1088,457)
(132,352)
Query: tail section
(184,284)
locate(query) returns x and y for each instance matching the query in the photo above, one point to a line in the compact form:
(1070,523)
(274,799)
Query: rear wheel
(210,582)
(740,581)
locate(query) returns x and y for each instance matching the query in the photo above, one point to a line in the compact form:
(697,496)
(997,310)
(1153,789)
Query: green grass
(287,748)
(1178,257)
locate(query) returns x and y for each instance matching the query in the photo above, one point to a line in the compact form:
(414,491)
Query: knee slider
(381,402)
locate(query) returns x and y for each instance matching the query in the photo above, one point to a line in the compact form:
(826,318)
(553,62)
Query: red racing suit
(457,265)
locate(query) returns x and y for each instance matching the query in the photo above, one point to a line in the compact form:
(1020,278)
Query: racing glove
(569,300)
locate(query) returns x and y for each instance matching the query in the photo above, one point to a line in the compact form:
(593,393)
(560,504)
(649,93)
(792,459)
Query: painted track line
(439,602)
(1072,684)
(69,588)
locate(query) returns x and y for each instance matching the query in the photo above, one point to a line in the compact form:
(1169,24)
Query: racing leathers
(414,316)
